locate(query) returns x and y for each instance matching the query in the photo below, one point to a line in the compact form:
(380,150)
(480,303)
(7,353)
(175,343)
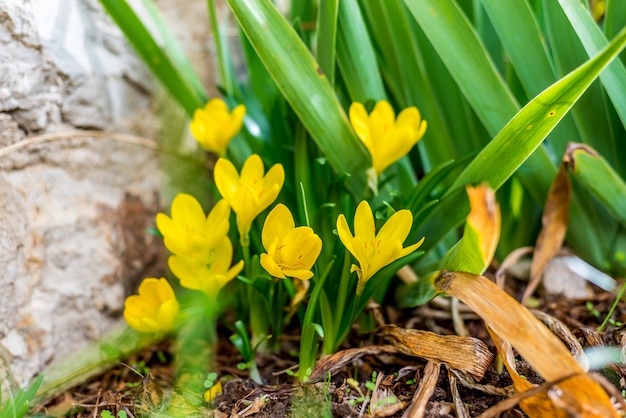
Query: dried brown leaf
(553,227)
(333,363)
(516,325)
(424,391)
(468,354)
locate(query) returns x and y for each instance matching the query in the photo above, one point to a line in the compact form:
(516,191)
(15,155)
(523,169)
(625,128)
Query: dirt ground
(371,385)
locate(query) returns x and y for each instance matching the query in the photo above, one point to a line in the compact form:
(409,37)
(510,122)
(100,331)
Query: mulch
(137,385)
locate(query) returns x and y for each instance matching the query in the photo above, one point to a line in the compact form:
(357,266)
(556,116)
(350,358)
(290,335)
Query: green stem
(194,356)
(610,313)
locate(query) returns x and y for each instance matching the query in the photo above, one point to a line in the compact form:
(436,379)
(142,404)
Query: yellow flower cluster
(201,249)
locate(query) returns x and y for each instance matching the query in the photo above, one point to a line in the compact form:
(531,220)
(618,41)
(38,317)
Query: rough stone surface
(73,212)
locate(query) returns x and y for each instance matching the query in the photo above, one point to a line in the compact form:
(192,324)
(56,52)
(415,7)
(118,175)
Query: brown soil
(139,383)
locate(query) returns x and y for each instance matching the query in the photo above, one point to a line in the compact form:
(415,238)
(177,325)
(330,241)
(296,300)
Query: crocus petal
(359,121)
(345,235)
(154,308)
(397,227)
(408,250)
(252,170)
(299,274)
(236,120)
(277,224)
(187,211)
(271,267)
(364,222)
(226,179)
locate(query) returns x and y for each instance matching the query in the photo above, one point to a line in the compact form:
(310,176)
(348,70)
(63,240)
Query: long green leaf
(405,73)
(506,152)
(466,58)
(595,173)
(615,20)
(153,55)
(590,113)
(523,42)
(327,37)
(355,55)
(304,86)
(175,50)
(614,78)
(525,132)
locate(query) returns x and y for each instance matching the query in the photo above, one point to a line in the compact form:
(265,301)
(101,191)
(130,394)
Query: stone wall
(73,212)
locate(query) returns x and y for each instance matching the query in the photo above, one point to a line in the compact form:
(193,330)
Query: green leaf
(417,293)
(17,405)
(175,50)
(534,122)
(153,55)
(597,176)
(304,86)
(503,155)
(326,37)
(405,73)
(224,60)
(355,55)
(614,77)
(466,58)
(524,44)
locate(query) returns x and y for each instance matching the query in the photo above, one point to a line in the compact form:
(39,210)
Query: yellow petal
(345,235)
(186,211)
(364,222)
(409,117)
(359,121)
(277,224)
(271,267)
(299,274)
(226,180)
(167,314)
(275,176)
(301,247)
(397,227)
(236,120)
(252,170)
(408,250)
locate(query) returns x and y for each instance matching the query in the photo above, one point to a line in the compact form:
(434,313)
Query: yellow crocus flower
(386,138)
(251,192)
(189,232)
(214,126)
(154,309)
(210,274)
(375,251)
(291,251)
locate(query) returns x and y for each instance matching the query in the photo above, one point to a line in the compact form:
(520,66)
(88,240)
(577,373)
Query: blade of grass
(502,156)
(590,113)
(614,77)
(595,173)
(224,61)
(521,37)
(326,37)
(535,121)
(461,50)
(614,20)
(298,77)
(355,55)
(175,50)
(405,73)
(153,55)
